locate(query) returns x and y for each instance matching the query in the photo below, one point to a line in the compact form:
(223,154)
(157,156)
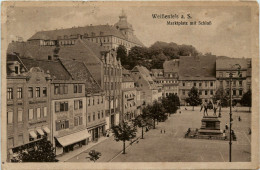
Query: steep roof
(126,76)
(82,50)
(56,69)
(226,63)
(197,68)
(79,71)
(171,65)
(87,31)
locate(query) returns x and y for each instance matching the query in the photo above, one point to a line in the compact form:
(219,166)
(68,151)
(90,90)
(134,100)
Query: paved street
(173,147)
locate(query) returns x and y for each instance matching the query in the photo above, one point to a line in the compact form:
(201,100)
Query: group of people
(205,105)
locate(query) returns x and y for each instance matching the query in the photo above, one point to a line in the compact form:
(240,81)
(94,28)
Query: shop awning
(46,129)
(73,138)
(40,131)
(33,134)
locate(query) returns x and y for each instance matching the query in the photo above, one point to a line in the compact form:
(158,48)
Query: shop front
(72,141)
(97,132)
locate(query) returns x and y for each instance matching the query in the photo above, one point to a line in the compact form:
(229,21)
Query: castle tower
(124,26)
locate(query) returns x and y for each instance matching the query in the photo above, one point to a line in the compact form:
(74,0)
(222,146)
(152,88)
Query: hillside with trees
(154,56)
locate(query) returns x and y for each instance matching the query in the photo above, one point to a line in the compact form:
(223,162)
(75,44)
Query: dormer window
(16,69)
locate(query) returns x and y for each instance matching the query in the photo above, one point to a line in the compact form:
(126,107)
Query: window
(80,104)
(45,112)
(88,102)
(44,91)
(10,117)
(38,92)
(62,124)
(98,114)
(75,88)
(19,93)
(211,92)
(234,83)
(98,101)
(240,83)
(234,92)
(80,88)
(30,92)
(56,89)
(102,112)
(38,113)
(10,142)
(200,84)
(20,115)
(76,123)
(101,99)
(206,92)
(94,116)
(65,89)
(89,118)
(80,120)
(31,114)
(194,84)
(211,84)
(206,84)
(93,101)
(76,105)
(20,139)
(61,106)
(240,92)
(9,93)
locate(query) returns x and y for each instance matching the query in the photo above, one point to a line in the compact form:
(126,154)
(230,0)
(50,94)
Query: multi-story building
(68,106)
(109,36)
(129,97)
(150,90)
(103,66)
(199,71)
(167,77)
(95,97)
(240,83)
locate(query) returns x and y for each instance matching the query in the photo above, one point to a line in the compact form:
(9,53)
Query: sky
(228,35)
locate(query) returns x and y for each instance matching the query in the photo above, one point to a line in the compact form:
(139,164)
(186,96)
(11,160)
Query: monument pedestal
(210,127)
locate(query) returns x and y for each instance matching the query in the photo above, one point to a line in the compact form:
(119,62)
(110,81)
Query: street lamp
(230,114)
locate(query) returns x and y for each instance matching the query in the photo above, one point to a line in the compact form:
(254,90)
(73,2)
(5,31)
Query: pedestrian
(226,126)
(215,109)
(202,105)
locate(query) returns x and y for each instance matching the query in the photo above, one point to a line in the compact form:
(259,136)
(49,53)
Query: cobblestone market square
(171,146)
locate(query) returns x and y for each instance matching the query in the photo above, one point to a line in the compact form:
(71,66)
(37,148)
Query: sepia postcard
(130,85)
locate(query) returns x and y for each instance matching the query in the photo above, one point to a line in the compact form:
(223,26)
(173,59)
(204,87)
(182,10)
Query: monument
(210,127)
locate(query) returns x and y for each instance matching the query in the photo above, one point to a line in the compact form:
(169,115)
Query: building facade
(197,72)
(28,113)
(240,82)
(129,97)
(150,90)
(109,36)
(68,108)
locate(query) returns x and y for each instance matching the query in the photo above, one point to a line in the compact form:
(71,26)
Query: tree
(247,99)
(124,132)
(222,96)
(141,120)
(171,103)
(42,152)
(156,112)
(194,97)
(94,155)
(122,54)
